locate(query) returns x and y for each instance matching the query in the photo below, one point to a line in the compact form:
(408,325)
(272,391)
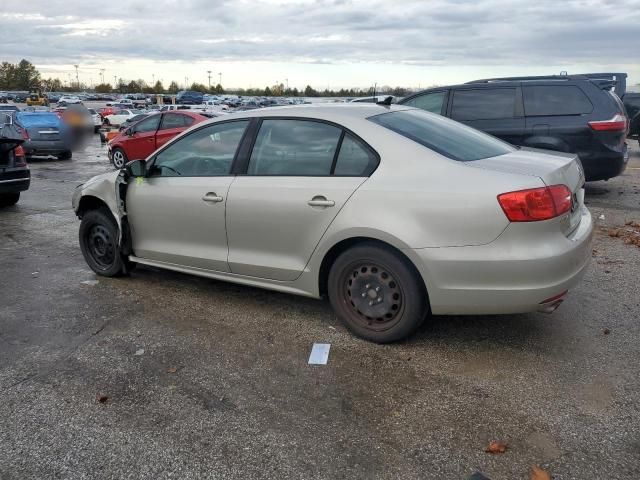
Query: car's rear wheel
(9,199)
(66,155)
(377,293)
(99,243)
(119,158)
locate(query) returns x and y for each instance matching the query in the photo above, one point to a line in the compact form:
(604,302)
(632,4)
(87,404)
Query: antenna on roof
(563,73)
(387,101)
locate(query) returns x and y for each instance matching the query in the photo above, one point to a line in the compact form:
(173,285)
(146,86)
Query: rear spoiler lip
(610,80)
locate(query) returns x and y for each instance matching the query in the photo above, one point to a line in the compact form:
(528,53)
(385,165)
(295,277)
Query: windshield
(444,136)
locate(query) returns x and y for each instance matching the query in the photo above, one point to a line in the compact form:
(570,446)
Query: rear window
(442,135)
(484,104)
(550,100)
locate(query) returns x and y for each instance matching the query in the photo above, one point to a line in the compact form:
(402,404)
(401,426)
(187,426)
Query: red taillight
(536,204)
(617,123)
(20,158)
(24,133)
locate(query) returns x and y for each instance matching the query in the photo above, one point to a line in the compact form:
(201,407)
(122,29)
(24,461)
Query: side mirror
(136,168)
(129,132)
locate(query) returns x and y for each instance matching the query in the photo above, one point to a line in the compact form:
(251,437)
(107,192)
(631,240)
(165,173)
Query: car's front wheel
(377,293)
(99,243)
(119,158)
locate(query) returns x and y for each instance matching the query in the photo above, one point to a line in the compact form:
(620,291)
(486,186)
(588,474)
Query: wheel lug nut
(364,295)
(377,289)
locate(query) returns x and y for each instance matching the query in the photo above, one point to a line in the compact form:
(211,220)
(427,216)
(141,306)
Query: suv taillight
(617,124)
(536,204)
(20,158)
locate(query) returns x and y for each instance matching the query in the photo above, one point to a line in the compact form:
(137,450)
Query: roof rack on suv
(517,79)
(605,81)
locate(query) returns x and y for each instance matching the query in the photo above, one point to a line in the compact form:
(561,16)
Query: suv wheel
(99,243)
(377,294)
(9,199)
(119,158)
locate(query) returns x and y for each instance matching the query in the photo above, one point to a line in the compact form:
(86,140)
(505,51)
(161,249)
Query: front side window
(206,152)
(483,104)
(444,136)
(149,124)
(294,148)
(431,102)
(555,100)
(354,159)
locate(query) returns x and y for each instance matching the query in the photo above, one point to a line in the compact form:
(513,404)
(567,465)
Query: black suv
(567,113)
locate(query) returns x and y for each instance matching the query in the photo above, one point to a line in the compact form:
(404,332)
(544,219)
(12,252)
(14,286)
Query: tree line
(25,76)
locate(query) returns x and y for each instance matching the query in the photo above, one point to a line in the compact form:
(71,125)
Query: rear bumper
(17,181)
(604,165)
(516,273)
(45,147)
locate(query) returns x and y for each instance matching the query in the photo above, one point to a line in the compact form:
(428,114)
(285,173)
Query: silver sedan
(392,212)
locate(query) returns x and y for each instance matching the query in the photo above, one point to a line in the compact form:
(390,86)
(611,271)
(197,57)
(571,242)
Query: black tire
(106,121)
(99,243)
(96,128)
(8,199)
(377,293)
(66,155)
(119,158)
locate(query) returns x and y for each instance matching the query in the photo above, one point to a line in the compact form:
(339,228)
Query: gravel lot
(209,380)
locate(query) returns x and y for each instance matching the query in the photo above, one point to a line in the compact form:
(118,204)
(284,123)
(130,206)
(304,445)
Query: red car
(144,137)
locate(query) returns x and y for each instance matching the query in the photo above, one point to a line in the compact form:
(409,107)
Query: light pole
(153,78)
(186,83)
(220,77)
(77,79)
(102,75)
(209,74)
(287,80)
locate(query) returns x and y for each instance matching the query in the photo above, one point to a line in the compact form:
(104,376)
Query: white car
(392,212)
(120,117)
(69,99)
(96,120)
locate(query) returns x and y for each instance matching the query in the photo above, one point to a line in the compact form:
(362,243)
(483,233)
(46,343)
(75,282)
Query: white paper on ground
(319,354)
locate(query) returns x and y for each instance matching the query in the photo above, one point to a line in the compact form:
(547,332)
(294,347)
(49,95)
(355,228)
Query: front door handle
(320,201)
(212,197)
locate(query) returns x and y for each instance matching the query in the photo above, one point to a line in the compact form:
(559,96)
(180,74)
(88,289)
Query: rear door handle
(320,201)
(212,197)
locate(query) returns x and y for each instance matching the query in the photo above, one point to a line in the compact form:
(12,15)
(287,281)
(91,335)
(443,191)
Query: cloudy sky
(335,43)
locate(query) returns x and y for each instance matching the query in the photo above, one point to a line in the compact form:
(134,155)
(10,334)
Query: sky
(322,43)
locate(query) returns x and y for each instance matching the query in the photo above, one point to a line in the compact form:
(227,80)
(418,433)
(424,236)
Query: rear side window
(484,104)
(172,120)
(354,159)
(431,102)
(549,100)
(294,148)
(442,135)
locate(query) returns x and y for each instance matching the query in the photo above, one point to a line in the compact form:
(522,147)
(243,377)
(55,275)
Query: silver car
(392,212)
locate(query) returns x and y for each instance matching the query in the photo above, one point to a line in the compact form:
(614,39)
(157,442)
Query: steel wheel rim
(100,246)
(118,159)
(373,296)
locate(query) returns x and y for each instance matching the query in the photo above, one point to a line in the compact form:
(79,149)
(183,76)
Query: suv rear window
(444,136)
(552,100)
(483,104)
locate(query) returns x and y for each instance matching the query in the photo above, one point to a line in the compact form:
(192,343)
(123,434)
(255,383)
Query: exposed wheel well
(89,202)
(340,247)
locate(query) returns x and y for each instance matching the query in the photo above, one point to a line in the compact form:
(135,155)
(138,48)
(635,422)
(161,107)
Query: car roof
(321,111)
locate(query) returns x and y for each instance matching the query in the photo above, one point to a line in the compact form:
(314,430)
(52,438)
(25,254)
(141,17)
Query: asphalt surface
(210,380)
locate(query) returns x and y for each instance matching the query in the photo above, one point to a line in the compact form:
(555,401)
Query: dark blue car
(189,97)
(45,133)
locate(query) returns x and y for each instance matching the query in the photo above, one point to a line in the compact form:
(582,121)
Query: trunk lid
(553,168)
